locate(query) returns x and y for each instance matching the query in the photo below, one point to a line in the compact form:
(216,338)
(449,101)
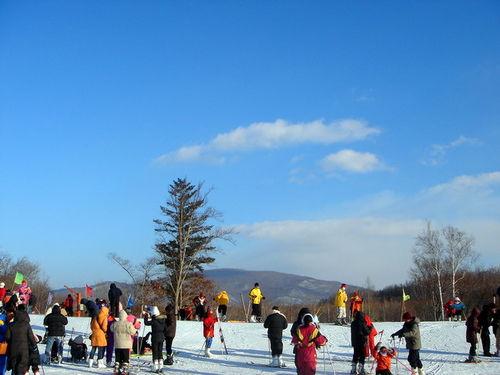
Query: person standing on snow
(20,338)
(99,327)
(370,348)
(458,309)
(114,295)
(411,333)
(55,323)
(157,322)
(275,323)
(208,331)
(24,293)
(295,328)
(3,291)
(256,298)
(170,328)
(485,320)
(449,311)
(199,303)
(356,304)
(306,341)
(473,329)
(122,338)
(340,301)
(68,304)
(222,300)
(359,339)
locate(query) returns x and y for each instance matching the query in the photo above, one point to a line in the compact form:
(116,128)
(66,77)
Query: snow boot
(100,363)
(354,368)
(169,361)
(91,363)
(116,368)
(472,360)
(414,371)
(361,369)
(274,361)
(208,354)
(160,367)
(253,319)
(281,363)
(421,371)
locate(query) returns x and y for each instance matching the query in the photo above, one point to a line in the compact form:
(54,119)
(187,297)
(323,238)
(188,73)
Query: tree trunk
(440,290)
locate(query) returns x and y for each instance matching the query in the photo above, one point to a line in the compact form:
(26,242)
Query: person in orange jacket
(356,304)
(99,327)
(383,358)
(370,347)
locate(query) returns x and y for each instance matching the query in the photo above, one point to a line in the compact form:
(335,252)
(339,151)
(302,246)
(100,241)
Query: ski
(252,363)
(221,335)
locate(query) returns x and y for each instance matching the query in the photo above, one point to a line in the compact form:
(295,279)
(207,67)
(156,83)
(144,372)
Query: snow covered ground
(443,353)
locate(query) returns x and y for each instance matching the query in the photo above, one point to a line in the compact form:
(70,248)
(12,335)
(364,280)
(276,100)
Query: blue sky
(329,131)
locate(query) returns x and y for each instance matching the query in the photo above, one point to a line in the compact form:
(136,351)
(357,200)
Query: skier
(458,309)
(68,304)
(55,323)
(20,338)
(359,338)
(383,357)
(306,341)
(275,323)
(170,328)
(114,295)
(157,322)
(99,327)
(295,326)
(199,304)
(256,298)
(370,348)
(122,334)
(3,343)
(222,300)
(356,303)
(449,311)
(340,301)
(485,319)
(208,330)
(473,329)
(411,333)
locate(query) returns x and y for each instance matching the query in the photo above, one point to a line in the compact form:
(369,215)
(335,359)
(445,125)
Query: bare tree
(429,256)
(459,254)
(186,236)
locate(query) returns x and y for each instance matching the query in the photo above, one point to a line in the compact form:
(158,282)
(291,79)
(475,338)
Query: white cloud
(351,161)
(437,153)
(271,135)
(377,233)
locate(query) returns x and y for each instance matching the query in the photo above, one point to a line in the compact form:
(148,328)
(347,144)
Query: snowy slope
(443,353)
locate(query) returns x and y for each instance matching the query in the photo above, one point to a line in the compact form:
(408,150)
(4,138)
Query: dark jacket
(275,324)
(359,330)
(20,338)
(114,294)
(55,322)
(411,333)
(158,328)
(91,307)
(295,326)
(486,317)
(170,322)
(473,327)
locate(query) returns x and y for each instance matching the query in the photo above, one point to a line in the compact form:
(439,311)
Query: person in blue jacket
(459,309)
(3,331)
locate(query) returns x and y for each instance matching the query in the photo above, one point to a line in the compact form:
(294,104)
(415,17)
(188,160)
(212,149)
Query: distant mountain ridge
(278,287)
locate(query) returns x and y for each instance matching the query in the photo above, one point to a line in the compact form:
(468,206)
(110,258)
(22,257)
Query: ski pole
(202,347)
(381,333)
(330,359)
(402,364)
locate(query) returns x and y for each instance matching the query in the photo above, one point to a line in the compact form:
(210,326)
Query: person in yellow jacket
(256,298)
(340,301)
(222,300)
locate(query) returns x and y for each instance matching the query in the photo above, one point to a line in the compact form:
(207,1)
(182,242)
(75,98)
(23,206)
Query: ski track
(443,353)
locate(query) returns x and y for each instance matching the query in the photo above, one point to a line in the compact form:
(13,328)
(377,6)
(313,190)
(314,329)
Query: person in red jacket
(383,358)
(2,291)
(449,311)
(307,339)
(68,305)
(370,347)
(209,321)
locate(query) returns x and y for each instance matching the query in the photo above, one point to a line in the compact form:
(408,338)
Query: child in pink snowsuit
(24,293)
(306,341)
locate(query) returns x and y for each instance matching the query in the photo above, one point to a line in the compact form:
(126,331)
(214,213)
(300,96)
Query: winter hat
(307,318)
(2,285)
(155,311)
(256,285)
(407,316)
(276,308)
(457,299)
(343,285)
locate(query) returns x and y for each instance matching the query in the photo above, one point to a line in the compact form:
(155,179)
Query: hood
(21,316)
(303,311)
(84,301)
(112,286)
(56,309)
(123,315)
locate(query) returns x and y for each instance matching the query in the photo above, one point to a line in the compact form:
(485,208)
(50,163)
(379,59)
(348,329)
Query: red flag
(88,291)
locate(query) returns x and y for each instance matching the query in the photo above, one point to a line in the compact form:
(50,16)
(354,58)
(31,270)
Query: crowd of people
(115,332)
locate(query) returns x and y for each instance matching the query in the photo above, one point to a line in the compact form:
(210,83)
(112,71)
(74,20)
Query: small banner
(49,299)
(88,291)
(19,278)
(406,297)
(130,302)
